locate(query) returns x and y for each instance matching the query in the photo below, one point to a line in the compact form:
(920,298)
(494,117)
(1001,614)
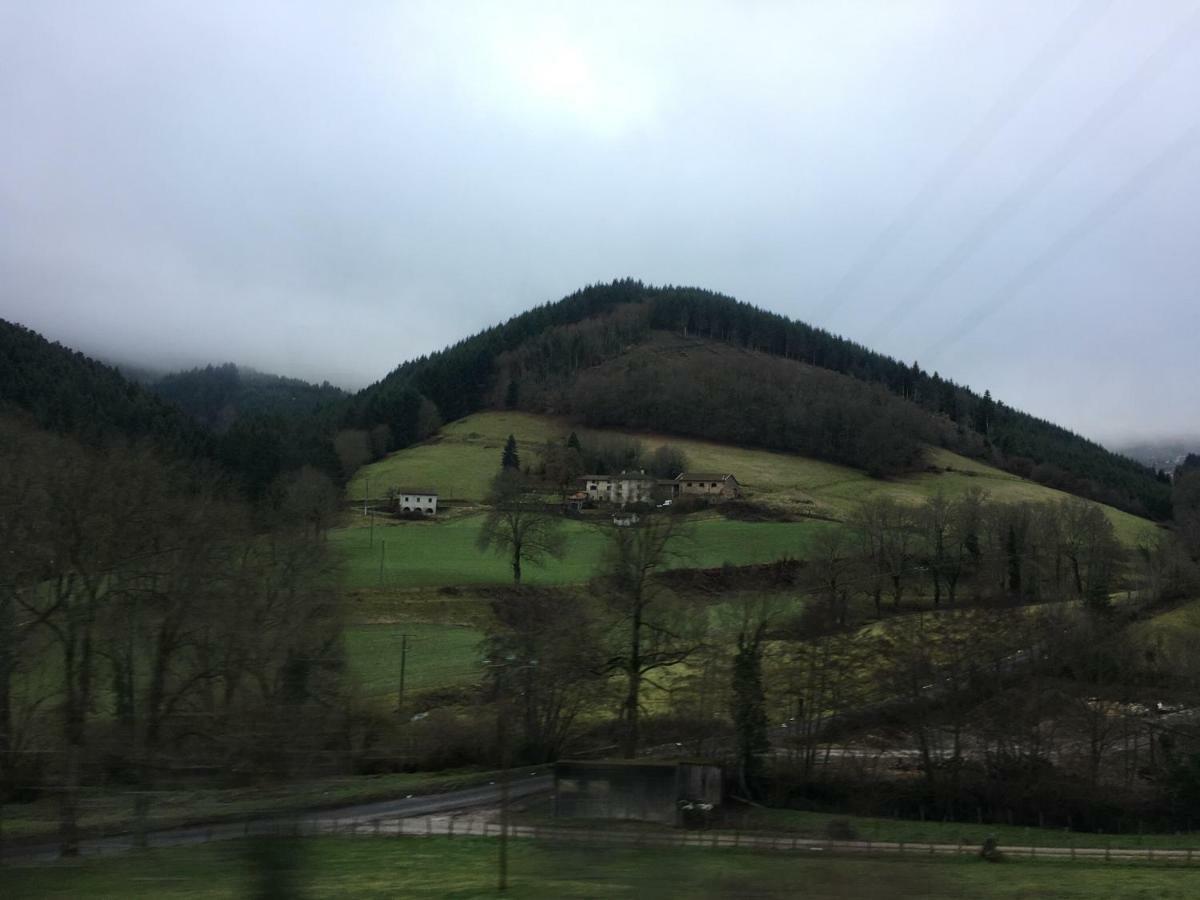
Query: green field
(444,552)
(438,656)
(465,868)
(463,457)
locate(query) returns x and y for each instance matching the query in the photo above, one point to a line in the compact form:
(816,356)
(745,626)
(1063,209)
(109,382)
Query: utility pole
(366,493)
(502,739)
(403,665)
(382,549)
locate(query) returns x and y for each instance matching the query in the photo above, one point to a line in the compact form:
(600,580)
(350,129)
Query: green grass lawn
(463,457)
(465,868)
(460,461)
(443,552)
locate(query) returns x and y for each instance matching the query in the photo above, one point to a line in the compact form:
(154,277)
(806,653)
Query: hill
(218,396)
(62,390)
(539,360)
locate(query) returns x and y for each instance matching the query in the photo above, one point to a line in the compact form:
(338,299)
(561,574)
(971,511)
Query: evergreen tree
(510,459)
(749,710)
(573,442)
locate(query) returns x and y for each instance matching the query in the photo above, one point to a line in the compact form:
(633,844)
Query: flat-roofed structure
(652,790)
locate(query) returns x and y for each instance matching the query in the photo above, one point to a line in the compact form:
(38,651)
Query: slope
(551,344)
(464,456)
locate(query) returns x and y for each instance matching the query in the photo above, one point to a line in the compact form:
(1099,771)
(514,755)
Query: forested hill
(62,390)
(218,396)
(555,342)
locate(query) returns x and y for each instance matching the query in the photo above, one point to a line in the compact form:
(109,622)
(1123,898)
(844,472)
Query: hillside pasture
(464,456)
(438,656)
(423,554)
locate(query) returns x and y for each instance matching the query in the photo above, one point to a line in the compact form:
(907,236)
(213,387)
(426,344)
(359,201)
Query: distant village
(639,487)
(622,490)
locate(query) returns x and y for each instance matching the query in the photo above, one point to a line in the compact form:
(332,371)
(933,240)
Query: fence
(449,827)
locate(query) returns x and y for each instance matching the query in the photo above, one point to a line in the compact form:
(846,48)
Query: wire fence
(479,826)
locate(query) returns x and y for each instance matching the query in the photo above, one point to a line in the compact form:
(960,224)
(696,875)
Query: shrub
(841,830)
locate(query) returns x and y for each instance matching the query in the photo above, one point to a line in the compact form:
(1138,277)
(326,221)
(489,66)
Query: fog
(1006,193)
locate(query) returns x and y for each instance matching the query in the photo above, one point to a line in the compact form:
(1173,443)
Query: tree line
(153,623)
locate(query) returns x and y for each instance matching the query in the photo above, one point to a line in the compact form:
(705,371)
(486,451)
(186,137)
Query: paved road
(525,783)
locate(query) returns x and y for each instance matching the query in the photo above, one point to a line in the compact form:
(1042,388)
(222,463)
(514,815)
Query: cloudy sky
(1007,192)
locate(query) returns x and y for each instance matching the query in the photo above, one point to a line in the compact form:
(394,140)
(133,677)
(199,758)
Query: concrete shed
(673,792)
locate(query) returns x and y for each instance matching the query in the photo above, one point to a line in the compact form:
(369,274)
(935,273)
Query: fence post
(450,831)
(429,826)
(901,848)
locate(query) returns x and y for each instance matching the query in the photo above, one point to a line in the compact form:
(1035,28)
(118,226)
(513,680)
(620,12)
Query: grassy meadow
(466,868)
(463,457)
(438,656)
(444,552)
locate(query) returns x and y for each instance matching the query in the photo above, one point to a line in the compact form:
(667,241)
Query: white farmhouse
(628,487)
(420,500)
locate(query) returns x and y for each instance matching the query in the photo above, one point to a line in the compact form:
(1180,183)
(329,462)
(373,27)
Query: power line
(1116,201)
(1081,138)
(1030,79)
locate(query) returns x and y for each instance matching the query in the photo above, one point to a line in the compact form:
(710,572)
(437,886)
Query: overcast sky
(1007,192)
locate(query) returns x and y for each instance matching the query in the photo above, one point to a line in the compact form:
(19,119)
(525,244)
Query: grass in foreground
(815,825)
(466,868)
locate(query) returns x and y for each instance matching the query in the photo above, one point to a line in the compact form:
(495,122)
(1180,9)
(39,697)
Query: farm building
(718,485)
(628,487)
(417,500)
(674,792)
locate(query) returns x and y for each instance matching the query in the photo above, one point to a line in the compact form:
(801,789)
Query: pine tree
(510,458)
(573,442)
(749,710)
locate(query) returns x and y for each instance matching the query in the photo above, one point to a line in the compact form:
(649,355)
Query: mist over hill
(217,396)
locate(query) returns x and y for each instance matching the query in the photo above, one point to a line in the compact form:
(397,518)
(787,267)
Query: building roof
(624,476)
(642,763)
(428,492)
(704,476)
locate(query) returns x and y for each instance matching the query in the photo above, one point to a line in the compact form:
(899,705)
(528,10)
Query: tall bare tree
(519,526)
(650,634)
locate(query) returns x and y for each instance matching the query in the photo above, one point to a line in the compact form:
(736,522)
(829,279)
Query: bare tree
(519,526)
(649,633)
(554,638)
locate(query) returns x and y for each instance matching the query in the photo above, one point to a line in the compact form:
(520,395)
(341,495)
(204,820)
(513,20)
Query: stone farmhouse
(638,487)
(721,485)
